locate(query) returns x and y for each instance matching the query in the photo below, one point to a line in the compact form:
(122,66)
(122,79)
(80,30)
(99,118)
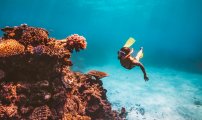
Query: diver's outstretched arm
(143,70)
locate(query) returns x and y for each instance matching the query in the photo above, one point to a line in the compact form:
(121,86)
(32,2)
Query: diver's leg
(139,54)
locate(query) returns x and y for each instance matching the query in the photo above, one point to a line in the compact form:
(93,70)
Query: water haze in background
(169,30)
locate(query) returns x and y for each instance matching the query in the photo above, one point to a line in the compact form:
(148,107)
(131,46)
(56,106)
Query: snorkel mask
(121,53)
(124,51)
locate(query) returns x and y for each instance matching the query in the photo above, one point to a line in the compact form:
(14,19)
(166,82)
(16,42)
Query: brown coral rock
(37,82)
(10,47)
(34,36)
(2,74)
(26,35)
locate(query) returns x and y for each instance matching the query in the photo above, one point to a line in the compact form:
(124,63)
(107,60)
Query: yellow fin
(142,55)
(129,42)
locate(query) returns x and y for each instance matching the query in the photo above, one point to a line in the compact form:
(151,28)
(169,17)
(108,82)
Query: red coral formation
(36,81)
(75,42)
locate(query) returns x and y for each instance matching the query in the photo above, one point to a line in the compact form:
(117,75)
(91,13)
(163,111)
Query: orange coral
(69,116)
(9,111)
(41,113)
(10,47)
(97,74)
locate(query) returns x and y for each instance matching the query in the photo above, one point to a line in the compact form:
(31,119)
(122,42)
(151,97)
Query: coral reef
(36,81)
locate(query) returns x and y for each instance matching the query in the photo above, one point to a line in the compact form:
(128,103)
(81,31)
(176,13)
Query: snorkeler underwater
(100,60)
(128,61)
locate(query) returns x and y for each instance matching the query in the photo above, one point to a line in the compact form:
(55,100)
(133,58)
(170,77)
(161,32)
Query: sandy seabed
(168,95)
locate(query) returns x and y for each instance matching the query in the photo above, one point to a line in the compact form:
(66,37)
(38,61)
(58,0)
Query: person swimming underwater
(129,62)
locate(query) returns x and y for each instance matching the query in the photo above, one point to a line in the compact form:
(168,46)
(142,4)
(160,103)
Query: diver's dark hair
(123,52)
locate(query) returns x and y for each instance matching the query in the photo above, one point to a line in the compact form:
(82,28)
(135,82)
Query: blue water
(170,32)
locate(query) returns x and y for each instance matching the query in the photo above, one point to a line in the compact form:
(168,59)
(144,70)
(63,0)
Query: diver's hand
(146,78)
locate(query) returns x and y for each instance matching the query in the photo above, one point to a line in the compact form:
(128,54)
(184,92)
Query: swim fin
(129,42)
(142,55)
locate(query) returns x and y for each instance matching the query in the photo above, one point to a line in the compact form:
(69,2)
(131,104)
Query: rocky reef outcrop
(36,81)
